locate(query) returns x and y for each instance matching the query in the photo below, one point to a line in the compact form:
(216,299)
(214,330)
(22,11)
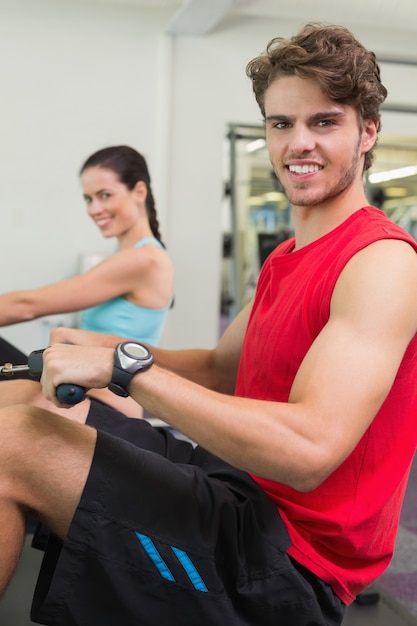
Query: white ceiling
(197,17)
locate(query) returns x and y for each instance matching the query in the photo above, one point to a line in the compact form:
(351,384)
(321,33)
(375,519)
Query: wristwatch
(130,358)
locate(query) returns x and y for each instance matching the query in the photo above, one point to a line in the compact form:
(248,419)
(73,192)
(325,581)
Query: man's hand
(79,337)
(88,366)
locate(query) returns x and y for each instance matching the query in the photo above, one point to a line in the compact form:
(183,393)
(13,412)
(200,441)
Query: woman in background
(137,282)
(129,293)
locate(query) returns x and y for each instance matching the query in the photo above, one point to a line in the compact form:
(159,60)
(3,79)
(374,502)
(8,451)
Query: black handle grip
(70,394)
(66,393)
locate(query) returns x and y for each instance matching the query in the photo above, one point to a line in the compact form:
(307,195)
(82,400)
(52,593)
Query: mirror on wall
(391,183)
(257,216)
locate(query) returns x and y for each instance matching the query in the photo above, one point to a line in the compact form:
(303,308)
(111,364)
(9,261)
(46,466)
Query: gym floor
(15,606)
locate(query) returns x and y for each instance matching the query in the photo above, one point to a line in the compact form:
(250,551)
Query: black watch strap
(120,382)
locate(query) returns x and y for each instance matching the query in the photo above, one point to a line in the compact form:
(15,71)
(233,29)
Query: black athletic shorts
(167,534)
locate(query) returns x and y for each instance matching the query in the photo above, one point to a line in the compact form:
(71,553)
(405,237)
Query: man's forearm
(196,365)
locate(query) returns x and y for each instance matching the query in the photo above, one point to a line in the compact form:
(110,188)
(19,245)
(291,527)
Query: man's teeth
(304,169)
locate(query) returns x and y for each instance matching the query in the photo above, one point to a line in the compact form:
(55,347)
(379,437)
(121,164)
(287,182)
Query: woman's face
(113,207)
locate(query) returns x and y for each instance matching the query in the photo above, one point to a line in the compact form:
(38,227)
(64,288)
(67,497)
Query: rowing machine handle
(66,392)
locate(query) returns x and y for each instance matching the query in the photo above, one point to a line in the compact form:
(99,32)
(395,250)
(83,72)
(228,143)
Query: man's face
(315,144)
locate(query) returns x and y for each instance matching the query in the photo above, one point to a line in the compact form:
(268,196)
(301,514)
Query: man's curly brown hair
(345,70)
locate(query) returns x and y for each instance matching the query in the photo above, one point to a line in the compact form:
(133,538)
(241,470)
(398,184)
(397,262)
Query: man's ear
(369,134)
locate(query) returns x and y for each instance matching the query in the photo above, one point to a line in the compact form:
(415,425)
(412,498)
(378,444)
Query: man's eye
(280,125)
(324,123)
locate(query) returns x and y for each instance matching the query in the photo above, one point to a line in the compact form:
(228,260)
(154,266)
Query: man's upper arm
(350,368)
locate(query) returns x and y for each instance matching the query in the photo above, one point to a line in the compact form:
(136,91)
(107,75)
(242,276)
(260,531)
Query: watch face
(135,350)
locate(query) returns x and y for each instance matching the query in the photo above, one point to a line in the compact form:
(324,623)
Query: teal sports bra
(120,317)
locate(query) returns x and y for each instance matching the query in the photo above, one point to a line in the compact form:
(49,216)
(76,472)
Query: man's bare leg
(30,392)
(45,461)
(23,391)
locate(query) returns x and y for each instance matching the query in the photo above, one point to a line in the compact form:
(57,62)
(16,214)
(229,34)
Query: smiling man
(316,148)
(304,413)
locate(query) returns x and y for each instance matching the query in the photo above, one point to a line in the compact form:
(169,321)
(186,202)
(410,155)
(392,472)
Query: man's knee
(21,426)
(34,439)
(19,391)
(45,462)
(18,429)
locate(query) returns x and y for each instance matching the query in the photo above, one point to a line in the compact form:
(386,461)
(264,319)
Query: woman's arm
(120,274)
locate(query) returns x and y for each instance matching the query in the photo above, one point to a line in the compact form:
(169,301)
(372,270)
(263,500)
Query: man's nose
(302,139)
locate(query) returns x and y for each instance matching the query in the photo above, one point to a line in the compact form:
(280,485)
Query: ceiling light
(257,144)
(401,172)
